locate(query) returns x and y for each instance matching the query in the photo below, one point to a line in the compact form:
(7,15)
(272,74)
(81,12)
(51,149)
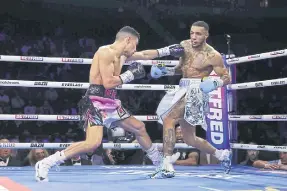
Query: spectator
(30,108)
(188,157)
(46,108)
(17,103)
(6,158)
(35,155)
(4,99)
(280,164)
(77,161)
(51,95)
(251,156)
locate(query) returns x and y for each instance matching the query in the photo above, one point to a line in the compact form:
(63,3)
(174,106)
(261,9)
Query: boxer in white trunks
(100,106)
(188,105)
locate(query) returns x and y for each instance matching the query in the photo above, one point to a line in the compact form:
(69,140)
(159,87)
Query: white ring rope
(129,146)
(59,60)
(32,117)
(35,117)
(79,85)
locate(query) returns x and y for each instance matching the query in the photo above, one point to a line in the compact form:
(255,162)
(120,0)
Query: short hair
(201,24)
(127,30)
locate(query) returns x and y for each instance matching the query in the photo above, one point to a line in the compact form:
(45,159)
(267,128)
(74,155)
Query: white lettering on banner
(215,116)
(216,128)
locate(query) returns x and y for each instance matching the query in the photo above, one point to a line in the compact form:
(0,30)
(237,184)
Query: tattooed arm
(220,70)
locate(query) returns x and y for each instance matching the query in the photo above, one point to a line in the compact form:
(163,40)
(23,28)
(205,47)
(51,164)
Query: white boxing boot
(42,167)
(225,157)
(165,169)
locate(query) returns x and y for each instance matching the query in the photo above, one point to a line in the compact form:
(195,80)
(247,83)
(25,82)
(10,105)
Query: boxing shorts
(99,107)
(196,102)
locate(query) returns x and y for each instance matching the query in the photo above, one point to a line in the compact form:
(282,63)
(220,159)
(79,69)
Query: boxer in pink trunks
(100,106)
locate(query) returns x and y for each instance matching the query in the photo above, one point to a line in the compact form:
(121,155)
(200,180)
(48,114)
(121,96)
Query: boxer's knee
(169,122)
(91,146)
(140,127)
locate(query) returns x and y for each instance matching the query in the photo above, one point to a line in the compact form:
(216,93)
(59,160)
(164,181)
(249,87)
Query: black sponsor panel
(37,145)
(41,83)
(259,84)
(169,87)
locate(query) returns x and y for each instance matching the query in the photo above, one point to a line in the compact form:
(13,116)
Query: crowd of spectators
(28,38)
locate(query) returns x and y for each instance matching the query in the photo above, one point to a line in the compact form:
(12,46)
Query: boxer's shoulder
(185,43)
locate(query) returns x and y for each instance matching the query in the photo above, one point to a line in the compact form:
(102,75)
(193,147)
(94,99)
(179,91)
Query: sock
(217,153)
(62,156)
(151,149)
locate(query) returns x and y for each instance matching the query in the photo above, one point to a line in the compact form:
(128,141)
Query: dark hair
(128,30)
(201,24)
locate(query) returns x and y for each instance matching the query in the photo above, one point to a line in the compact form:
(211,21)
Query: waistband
(101,91)
(185,82)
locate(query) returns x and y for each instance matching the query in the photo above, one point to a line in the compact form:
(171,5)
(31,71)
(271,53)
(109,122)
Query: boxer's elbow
(112,82)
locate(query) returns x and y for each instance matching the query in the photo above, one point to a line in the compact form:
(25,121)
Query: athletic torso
(95,74)
(196,64)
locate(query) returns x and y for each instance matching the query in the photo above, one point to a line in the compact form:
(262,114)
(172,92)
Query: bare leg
(190,138)
(137,127)
(94,135)
(169,123)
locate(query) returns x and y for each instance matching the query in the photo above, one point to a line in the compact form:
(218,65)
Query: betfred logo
(31,58)
(73,60)
(233,60)
(26,116)
(151,117)
(68,117)
(277,52)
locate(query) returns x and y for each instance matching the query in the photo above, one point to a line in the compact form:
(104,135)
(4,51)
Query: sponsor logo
(120,86)
(279,116)
(277,83)
(259,84)
(72,84)
(31,58)
(8,82)
(73,60)
(277,52)
(280,147)
(216,123)
(68,117)
(151,117)
(143,86)
(26,116)
(254,56)
(41,83)
(37,145)
(7,145)
(169,87)
(117,145)
(161,63)
(244,146)
(260,146)
(255,117)
(64,145)
(242,86)
(234,116)
(121,111)
(233,60)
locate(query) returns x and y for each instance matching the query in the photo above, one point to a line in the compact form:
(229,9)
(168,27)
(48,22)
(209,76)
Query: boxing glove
(175,50)
(209,84)
(158,71)
(135,71)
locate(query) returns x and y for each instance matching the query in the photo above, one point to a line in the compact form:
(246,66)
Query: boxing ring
(131,177)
